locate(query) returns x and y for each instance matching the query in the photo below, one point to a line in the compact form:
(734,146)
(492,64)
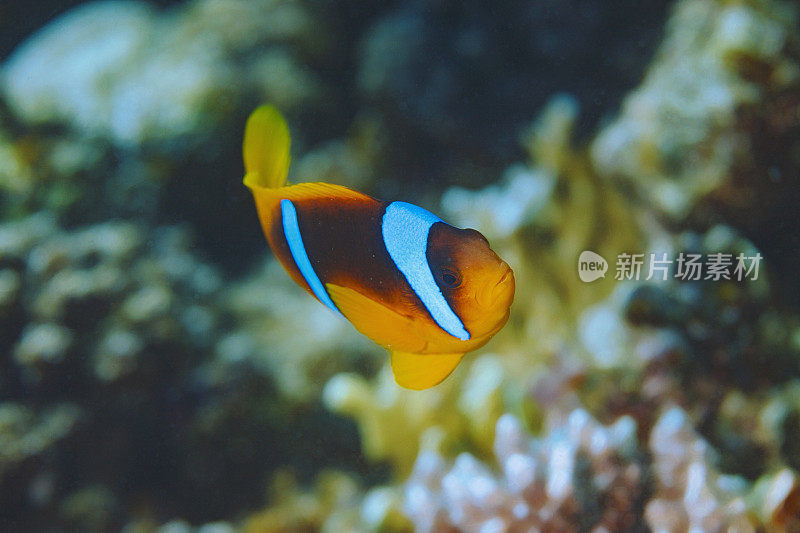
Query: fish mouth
(504,287)
(508,273)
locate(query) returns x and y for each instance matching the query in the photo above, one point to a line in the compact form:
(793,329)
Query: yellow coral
(393,422)
(335,504)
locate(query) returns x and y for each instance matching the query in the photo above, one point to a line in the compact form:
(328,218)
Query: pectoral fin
(381,324)
(422,371)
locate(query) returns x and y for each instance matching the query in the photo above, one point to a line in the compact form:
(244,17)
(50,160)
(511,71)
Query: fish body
(426,291)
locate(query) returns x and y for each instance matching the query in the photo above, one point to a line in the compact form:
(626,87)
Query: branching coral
(689,493)
(540,218)
(266,308)
(704,345)
(680,134)
(712,132)
(581,474)
(394,422)
(335,504)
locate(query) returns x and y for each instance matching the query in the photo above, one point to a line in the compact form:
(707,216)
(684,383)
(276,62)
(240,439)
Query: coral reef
(555,195)
(540,217)
(153,76)
(394,422)
(712,131)
(335,504)
(689,493)
(580,476)
(646,346)
(264,307)
(157,374)
(724,351)
(27,437)
(121,359)
(141,118)
(583,475)
(690,98)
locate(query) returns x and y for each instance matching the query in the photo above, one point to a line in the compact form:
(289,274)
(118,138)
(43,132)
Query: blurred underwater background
(159,372)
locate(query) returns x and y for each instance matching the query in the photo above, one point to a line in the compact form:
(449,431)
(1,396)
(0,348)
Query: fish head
(478,285)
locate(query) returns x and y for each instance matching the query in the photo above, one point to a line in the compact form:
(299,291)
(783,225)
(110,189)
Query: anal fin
(423,371)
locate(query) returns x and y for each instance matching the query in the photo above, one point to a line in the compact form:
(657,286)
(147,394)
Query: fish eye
(449,278)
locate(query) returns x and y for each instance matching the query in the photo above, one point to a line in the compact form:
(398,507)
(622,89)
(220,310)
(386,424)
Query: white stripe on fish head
(405,230)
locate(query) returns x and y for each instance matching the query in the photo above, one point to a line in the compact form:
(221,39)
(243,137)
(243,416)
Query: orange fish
(426,291)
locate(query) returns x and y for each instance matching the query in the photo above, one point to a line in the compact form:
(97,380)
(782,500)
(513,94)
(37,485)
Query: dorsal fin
(266,148)
(307,191)
(321,190)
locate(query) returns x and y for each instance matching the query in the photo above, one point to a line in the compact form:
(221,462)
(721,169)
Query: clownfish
(426,291)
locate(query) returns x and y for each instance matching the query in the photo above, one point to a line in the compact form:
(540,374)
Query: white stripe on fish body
(291,230)
(405,231)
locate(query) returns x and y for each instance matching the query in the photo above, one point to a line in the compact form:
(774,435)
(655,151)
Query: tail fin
(266,149)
